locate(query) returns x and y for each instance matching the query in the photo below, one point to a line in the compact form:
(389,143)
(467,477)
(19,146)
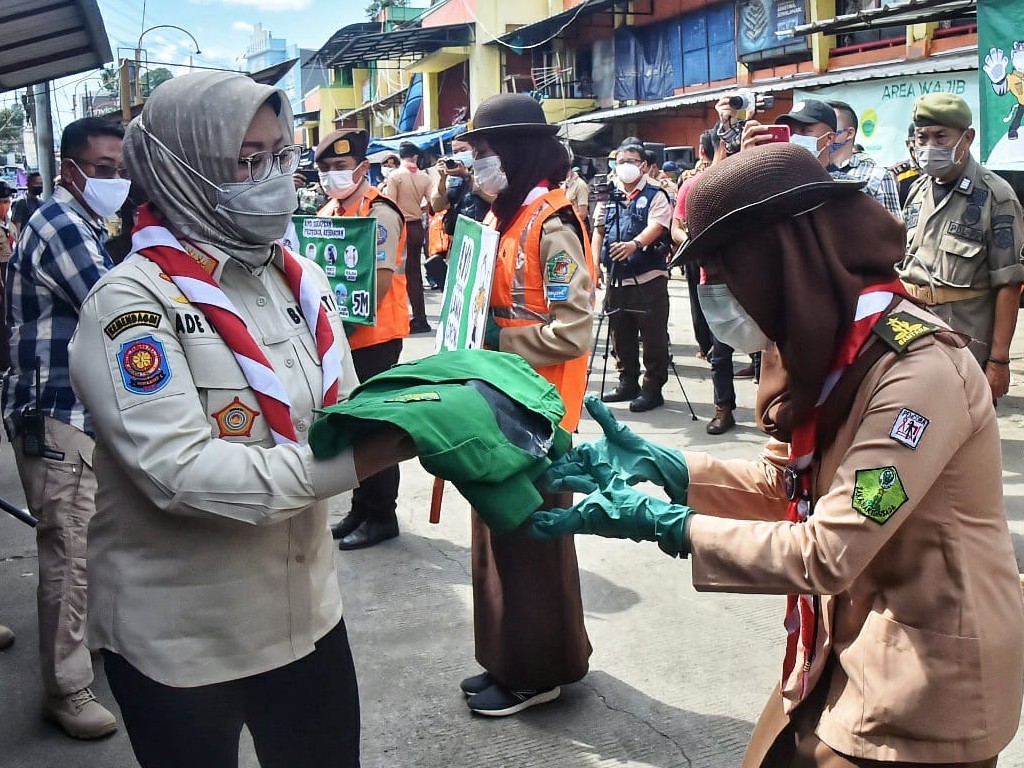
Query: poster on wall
(1001,63)
(467,289)
(346,249)
(758,23)
(884,107)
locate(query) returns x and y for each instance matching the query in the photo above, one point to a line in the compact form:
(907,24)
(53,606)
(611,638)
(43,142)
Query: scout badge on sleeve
(878,493)
(143,366)
(909,427)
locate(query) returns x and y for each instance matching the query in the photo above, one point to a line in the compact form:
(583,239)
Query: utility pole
(124,93)
(44,137)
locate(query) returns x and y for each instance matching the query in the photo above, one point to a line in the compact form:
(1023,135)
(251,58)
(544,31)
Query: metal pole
(124,93)
(20,514)
(44,138)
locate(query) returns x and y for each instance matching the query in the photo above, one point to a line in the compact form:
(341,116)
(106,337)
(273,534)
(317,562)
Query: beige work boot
(6,638)
(79,715)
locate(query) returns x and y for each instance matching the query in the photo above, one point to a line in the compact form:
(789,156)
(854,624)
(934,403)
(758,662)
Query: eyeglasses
(261,164)
(103,171)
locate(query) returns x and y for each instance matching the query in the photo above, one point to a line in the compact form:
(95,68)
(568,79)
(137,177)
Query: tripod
(608,310)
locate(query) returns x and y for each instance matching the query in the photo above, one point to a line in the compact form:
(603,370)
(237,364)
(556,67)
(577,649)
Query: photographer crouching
(632,236)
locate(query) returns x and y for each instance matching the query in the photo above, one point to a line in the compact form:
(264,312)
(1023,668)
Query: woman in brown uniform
(528,614)
(878,506)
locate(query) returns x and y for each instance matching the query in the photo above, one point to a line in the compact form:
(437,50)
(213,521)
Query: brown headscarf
(800,279)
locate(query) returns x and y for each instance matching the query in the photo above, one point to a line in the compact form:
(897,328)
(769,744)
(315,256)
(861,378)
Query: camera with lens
(747,104)
(605,190)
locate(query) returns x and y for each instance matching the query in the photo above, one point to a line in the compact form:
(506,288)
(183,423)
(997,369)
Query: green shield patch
(878,493)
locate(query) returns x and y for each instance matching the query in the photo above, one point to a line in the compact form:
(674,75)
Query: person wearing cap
(879,182)
(344,175)
(202,358)
(528,613)
(965,229)
(410,188)
(877,504)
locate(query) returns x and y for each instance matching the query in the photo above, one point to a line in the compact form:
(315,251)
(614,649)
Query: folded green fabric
(457,433)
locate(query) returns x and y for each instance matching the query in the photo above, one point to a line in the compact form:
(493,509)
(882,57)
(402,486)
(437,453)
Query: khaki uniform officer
(964,234)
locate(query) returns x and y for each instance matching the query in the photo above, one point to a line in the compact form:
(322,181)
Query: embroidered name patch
(414,397)
(878,493)
(235,419)
(558,292)
(560,268)
(123,322)
(909,427)
(143,365)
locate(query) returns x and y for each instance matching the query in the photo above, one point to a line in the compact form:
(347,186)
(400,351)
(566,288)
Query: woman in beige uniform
(213,593)
(878,508)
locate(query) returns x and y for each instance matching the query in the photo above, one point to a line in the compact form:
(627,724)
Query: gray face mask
(937,161)
(258,211)
(728,321)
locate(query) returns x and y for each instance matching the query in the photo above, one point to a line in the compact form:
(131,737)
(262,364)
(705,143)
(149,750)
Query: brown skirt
(527,609)
(779,741)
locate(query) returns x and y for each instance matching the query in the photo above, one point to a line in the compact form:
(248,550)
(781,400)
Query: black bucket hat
(752,190)
(508,113)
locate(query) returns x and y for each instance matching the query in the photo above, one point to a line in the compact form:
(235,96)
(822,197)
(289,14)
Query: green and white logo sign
(1001,64)
(345,247)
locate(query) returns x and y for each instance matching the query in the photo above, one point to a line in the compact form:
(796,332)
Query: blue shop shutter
(695,48)
(675,50)
(626,57)
(721,42)
(656,76)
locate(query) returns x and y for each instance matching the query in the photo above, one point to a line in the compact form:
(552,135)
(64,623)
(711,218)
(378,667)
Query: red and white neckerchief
(802,610)
(156,243)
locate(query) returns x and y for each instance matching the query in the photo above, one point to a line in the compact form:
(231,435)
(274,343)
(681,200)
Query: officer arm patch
(899,329)
(560,268)
(143,365)
(909,427)
(878,493)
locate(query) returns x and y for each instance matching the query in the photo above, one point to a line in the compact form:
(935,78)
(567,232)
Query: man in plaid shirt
(881,182)
(59,257)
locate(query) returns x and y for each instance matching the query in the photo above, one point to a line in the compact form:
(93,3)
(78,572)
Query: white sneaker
(79,715)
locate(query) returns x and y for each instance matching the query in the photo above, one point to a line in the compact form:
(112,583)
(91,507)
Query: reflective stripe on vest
(393,310)
(518,297)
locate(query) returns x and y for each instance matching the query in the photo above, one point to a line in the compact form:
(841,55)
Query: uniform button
(289,363)
(300,558)
(261,302)
(301,426)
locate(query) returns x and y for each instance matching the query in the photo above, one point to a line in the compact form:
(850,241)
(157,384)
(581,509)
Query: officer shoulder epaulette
(1000,188)
(899,329)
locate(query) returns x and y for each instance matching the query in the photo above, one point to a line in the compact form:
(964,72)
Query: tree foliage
(12,120)
(376,6)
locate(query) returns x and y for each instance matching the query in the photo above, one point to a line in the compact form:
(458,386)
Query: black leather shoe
(722,422)
(621,394)
(346,526)
(369,533)
(420,326)
(646,401)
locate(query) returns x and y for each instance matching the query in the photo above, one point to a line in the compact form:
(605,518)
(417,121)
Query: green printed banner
(1001,68)
(467,289)
(884,107)
(345,246)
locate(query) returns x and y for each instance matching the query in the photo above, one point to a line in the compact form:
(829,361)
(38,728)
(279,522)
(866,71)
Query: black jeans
(377,496)
(639,313)
(414,236)
(721,375)
(302,715)
(701,332)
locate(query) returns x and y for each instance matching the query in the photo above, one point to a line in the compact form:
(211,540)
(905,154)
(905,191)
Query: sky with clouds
(221,27)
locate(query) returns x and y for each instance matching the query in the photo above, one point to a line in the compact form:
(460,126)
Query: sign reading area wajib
(345,248)
(467,293)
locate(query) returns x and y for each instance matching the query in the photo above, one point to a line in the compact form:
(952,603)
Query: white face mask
(489,176)
(104,196)
(728,321)
(810,143)
(385,171)
(627,172)
(937,161)
(339,184)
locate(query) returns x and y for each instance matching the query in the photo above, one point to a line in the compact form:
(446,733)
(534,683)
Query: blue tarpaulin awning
(424,140)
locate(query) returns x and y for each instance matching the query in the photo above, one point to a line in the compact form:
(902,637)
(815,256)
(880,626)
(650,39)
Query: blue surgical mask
(729,321)
(810,143)
(466,158)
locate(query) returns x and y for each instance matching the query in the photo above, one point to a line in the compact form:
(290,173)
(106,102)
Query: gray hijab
(201,120)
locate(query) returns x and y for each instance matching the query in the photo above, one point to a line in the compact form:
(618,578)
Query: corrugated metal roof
(42,40)
(959,60)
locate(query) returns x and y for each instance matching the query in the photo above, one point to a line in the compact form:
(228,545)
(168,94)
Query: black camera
(605,190)
(311,175)
(746,104)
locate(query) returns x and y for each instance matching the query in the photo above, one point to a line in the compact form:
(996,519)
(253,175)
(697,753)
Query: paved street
(677,678)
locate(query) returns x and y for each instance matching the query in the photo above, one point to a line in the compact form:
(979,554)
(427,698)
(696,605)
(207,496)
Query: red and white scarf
(156,243)
(801,610)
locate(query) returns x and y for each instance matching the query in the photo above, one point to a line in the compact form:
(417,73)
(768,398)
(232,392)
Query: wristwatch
(639,246)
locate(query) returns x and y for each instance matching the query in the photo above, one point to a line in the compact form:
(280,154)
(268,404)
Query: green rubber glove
(619,512)
(589,467)
(492,334)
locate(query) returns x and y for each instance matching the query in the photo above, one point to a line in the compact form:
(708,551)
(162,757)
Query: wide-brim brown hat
(509,113)
(752,190)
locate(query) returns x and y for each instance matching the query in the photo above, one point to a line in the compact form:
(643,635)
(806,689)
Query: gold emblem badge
(236,419)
